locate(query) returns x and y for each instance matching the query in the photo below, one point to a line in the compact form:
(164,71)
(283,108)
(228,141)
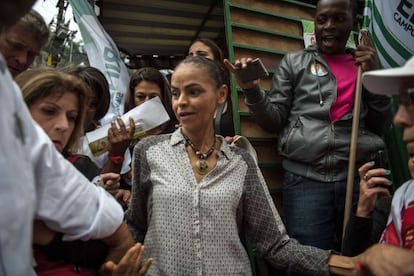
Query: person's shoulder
(404,195)
(300,57)
(309,51)
(406,189)
(246,152)
(155,138)
(241,145)
(148,141)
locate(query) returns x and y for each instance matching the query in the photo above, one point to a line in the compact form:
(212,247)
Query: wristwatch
(116,159)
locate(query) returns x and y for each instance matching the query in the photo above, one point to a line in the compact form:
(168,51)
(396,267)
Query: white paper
(147,116)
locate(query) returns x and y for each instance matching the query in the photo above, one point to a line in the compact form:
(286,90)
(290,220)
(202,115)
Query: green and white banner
(391,25)
(102,54)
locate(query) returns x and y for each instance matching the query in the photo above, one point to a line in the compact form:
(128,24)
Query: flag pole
(353,148)
(364,39)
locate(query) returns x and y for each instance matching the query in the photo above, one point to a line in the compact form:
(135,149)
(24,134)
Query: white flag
(102,54)
(391,25)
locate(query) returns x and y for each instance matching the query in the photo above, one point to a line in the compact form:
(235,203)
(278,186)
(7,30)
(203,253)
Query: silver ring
(366,177)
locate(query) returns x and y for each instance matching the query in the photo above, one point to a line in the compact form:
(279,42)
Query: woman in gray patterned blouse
(192,192)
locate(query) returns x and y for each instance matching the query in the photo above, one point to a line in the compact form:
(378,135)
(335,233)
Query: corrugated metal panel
(159,27)
(143,28)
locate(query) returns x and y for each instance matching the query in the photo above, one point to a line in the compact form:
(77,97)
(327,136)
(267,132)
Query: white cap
(388,81)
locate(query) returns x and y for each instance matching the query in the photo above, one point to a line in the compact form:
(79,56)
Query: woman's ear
(223,91)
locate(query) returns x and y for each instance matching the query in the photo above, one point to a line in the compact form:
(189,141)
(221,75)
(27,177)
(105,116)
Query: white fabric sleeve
(18,194)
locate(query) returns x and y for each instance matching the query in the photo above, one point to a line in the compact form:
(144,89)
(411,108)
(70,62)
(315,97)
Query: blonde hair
(39,83)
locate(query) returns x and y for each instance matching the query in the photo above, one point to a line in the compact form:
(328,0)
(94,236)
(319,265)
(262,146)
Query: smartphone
(253,71)
(380,162)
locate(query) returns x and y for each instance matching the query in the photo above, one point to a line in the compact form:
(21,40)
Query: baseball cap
(388,81)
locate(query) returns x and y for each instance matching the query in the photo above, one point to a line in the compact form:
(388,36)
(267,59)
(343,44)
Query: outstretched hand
(129,265)
(241,63)
(382,260)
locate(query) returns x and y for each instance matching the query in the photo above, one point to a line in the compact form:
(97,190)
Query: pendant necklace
(201,165)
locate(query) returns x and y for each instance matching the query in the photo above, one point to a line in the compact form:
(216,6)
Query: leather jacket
(298,109)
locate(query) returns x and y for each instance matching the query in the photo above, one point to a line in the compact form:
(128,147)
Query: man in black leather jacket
(310,106)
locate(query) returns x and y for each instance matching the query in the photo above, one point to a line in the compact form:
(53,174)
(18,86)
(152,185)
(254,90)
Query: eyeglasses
(406,97)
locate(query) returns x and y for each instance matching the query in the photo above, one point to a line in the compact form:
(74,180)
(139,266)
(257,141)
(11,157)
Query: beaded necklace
(201,166)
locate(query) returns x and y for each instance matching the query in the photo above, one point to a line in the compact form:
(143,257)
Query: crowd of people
(181,200)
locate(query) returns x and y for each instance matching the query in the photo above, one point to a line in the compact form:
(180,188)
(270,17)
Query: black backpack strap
(217,120)
(84,164)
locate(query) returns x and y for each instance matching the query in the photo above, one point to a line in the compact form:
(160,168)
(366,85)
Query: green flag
(102,54)
(391,25)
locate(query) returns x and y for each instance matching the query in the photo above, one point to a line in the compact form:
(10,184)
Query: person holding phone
(369,217)
(310,106)
(366,226)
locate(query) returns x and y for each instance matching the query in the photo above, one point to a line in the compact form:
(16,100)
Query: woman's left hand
(129,265)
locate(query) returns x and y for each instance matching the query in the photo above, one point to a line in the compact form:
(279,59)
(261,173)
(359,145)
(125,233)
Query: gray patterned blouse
(192,228)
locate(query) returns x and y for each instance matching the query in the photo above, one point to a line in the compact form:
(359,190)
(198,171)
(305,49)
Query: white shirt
(37,182)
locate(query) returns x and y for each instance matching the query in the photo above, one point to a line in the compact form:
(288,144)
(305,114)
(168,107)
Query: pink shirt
(345,71)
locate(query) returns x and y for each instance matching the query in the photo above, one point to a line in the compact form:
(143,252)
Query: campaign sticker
(318,69)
